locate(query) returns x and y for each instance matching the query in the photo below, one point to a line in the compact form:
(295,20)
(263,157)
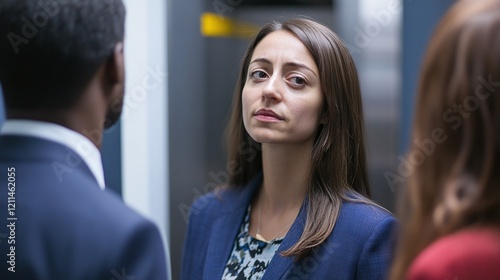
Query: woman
(296,206)
(451,219)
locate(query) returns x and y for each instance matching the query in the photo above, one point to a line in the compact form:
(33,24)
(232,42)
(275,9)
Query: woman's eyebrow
(299,65)
(262,60)
(286,64)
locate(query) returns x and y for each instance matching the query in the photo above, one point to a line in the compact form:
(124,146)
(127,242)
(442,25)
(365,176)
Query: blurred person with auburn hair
(451,206)
(297,203)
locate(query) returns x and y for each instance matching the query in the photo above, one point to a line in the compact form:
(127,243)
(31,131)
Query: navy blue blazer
(67,227)
(359,247)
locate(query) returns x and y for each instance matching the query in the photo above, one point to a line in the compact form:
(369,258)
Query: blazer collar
(279,264)
(226,228)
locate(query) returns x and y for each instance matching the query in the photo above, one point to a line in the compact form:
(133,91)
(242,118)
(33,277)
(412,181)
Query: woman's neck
(286,171)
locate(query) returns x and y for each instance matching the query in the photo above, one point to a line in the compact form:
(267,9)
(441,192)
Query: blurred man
(62,73)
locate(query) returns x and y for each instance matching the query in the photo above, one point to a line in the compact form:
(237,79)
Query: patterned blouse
(250,257)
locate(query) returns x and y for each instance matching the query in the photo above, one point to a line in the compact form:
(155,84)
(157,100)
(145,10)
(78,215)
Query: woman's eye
(259,75)
(298,81)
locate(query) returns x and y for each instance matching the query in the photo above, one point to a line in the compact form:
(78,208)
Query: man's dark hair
(50,49)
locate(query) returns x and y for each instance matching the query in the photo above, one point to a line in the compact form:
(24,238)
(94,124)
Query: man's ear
(114,77)
(115,68)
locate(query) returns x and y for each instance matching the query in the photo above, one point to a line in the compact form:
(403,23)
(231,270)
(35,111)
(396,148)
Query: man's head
(50,50)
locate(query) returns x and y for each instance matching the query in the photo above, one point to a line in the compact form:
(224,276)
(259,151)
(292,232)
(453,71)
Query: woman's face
(282,99)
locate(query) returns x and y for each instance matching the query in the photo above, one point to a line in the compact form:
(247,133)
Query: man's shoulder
(67,193)
(104,210)
(113,212)
(20,147)
(40,158)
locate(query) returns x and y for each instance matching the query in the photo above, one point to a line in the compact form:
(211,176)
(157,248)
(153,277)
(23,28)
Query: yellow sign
(213,25)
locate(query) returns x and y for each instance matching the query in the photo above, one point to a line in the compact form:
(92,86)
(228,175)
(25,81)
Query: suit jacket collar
(15,148)
(227,226)
(79,143)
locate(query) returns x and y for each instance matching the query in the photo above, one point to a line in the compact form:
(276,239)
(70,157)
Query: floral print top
(250,257)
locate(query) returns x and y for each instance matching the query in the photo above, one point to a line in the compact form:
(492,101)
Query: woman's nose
(273,89)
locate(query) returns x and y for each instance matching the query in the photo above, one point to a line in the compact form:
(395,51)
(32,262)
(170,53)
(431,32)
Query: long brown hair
(338,155)
(458,108)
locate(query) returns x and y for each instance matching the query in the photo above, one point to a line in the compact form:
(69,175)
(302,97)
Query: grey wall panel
(379,68)
(419,20)
(187,111)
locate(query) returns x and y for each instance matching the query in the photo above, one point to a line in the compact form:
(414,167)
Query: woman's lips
(267,116)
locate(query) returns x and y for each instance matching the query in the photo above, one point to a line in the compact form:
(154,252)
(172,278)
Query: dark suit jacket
(358,248)
(66,227)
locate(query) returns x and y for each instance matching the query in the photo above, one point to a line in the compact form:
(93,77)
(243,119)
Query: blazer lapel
(279,264)
(225,229)
(224,232)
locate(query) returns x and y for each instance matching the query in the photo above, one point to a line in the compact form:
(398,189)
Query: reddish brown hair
(458,185)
